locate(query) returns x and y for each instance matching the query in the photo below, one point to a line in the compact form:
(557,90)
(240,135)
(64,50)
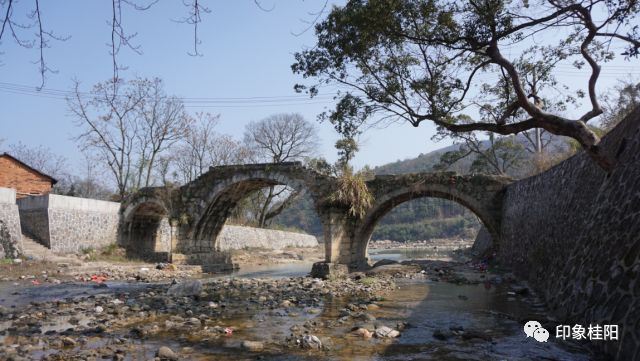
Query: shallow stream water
(444,321)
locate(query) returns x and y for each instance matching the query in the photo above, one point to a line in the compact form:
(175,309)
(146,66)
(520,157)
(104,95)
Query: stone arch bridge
(182,224)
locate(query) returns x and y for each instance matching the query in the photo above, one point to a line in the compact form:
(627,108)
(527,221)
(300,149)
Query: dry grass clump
(352,191)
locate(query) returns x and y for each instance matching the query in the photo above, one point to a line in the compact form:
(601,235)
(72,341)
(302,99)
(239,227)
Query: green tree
(496,155)
(428,60)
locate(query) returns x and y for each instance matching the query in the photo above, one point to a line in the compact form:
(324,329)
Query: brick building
(25,180)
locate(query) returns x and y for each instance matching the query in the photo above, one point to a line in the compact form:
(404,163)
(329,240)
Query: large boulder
(312,342)
(326,270)
(186,288)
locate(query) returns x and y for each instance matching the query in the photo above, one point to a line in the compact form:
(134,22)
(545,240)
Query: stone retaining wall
(237,237)
(10,235)
(69,224)
(573,232)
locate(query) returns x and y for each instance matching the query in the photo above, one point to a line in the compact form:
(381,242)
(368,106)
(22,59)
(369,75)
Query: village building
(26,180)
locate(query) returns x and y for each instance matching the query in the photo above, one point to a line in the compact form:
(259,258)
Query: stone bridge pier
(182,224)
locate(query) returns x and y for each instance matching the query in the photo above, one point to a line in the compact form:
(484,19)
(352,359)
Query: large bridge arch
(481,194)
(219,201)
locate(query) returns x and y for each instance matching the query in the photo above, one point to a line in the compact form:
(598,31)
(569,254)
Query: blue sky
(247,53)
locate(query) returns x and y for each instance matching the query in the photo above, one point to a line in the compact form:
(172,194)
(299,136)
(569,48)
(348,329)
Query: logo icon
(541,335)
(534,329)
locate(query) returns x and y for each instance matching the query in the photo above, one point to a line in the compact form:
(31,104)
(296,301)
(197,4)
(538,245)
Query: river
(439,321)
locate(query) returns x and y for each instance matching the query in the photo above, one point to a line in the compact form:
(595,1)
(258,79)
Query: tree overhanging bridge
(182,223)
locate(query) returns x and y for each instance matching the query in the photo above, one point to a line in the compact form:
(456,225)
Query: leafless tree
(162,122)
(91,184)
(203,147)
(44,160)
(18,25)
(279,138)
(109,128)
(129,128)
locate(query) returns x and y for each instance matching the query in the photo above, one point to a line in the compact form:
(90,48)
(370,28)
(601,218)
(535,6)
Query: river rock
(393,269)
(165,353)
(311,341)
(372,307)
(384,262)
(441,335)
(362,332)
(386,332)
(186,288)
(253,346)
(69,342)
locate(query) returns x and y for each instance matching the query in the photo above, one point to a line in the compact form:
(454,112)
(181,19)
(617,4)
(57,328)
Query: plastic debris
(98,279)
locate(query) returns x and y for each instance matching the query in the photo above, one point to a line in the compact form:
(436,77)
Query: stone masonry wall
(573,232)
(69,224)
(72,230)
(10,235)
(237,237)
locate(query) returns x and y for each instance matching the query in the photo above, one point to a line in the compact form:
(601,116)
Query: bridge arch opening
(222,201)
(463,203)
(147,232)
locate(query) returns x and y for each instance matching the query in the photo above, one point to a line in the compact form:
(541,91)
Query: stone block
(326,270)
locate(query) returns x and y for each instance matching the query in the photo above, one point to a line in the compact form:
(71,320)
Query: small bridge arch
(145,230)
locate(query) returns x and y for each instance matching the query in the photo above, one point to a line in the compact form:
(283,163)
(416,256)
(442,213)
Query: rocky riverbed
(427,310)
(158,320)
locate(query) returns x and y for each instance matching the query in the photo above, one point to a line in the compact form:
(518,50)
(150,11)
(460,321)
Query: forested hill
(422,163)
(425,162)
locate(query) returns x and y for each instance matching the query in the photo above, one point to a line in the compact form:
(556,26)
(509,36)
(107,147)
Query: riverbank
(115,266)
(446,249)
(445,244)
